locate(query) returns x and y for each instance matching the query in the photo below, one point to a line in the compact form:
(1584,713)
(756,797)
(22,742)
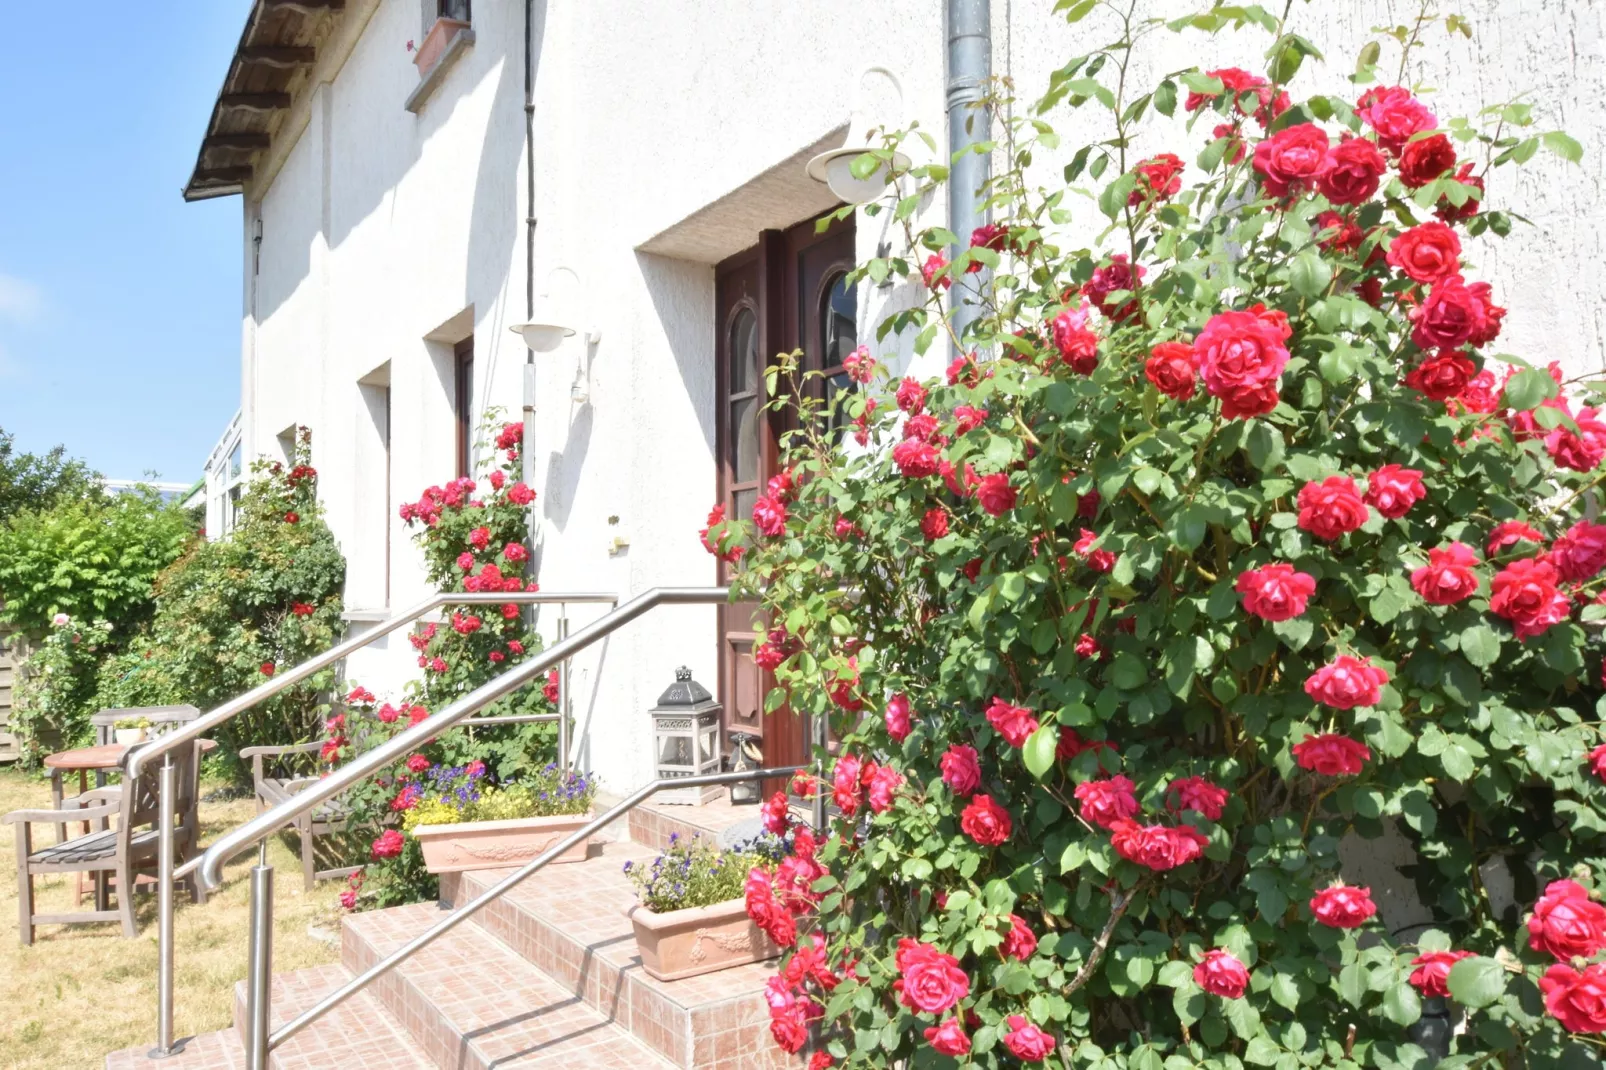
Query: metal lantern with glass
(685,730)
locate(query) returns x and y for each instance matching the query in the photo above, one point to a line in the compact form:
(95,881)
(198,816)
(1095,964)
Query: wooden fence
(10,659)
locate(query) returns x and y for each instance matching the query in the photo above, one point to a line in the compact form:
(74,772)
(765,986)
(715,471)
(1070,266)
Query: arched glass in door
(745,410)
(839,336)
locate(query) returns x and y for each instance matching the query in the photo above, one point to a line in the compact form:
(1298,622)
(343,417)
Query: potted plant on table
(692,918)
(131,730)
(462,823)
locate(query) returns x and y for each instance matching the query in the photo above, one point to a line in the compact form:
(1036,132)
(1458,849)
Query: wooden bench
(275,784)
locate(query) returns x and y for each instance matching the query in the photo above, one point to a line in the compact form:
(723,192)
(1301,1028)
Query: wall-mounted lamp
(835,168)
(554,312)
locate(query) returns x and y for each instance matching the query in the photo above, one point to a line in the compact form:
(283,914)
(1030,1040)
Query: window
(368,577)
(453,9)
(746,407)
(839,336)
(463,354)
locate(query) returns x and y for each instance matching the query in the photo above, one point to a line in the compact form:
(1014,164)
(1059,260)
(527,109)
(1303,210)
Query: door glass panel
(839,322)
(744,503)
(743,351)
(744,439)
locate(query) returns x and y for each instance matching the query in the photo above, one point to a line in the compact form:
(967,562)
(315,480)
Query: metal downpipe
(969,69)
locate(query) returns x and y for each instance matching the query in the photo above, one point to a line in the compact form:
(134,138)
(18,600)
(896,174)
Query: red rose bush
(1229,558)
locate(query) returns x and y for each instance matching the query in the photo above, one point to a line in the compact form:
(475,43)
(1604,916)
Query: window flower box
(698,940)
(434,44)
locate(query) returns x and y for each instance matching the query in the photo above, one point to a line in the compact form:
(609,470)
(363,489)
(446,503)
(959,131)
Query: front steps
(545,978)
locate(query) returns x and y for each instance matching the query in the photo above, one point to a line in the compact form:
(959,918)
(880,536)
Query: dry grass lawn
(81,991)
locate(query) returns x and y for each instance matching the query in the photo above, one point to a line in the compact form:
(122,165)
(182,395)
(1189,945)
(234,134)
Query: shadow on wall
(564,466)
(682,293)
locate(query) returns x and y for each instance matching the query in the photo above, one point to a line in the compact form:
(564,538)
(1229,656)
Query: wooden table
(83,760)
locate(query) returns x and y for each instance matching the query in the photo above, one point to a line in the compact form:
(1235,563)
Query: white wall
(380,226)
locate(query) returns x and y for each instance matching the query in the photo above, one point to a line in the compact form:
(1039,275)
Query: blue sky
(119,303)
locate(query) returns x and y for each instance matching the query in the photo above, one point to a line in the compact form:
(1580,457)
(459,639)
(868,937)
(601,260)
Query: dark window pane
(744,352)
(744,504)
(837,389)
(839,322)
(744,440)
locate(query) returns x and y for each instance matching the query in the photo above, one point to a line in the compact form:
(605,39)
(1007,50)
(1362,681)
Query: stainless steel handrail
(209,866)
(163,746)
(256,993)
(137,759)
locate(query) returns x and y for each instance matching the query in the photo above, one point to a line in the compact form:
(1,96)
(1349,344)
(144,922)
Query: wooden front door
(786,292)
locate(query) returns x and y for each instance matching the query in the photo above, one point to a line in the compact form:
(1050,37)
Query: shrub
(55,694)
(32,481)
(92,558)
(692,872)
(1233,542)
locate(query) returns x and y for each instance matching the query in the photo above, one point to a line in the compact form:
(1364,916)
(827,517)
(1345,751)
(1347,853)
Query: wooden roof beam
(236,141)
(255,101)
(306,5)
(279,55)
(229,175)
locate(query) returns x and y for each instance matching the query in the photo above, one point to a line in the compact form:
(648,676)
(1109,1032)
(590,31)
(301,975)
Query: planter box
(498,844)
(685,943)
(129,736)
(434,44)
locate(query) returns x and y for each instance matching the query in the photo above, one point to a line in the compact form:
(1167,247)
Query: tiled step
(469,1002)
(652,823)
(569,920)
(357,1034)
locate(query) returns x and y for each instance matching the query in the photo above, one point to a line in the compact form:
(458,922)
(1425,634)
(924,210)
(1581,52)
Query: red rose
(1115,277)
(388,845)
(1509,533)
(767,912)
(1077,345)
(1576,1000)
(898,717)
(1019,942)
(1352,172)
(1087,647)
(929,981)
(790,1026)
(995,494)
(1428,252)
(1196,794)
(1276,591)
(1289,161)
(1157,847)
(268,668)
(1347,682)
(1447,578)
(967,418)
(845,784)
(1442,376)
(915,459)
(1579,554)
(1159,179)
(1344,235)
(1524,593)
(961,770)
(417,763)
(1244,402)
(1331,755)
(1597,757)
(292,518)
(1241,349)
(1331,508)
(1097,560)
(985,821)
(1583,450)
(1107,803)
(302,609)
(1026,1042)
(884,783)
(1425,160)
(1432,974)
(948,1038)
(911,395)
(1249,94)
(821,1060)
(859,365)
(1567,923)
(519,494)
(930,269)
(1014,723)
(1342,906)
(994,236)
(1170,369)
(776,814)
(1222,974)
(769,516)
(1392,490)
(1449,317)
(934,524)
(1395,114)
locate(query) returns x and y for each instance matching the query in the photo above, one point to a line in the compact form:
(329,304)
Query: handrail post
(259,967)
(563,694)
(165,800)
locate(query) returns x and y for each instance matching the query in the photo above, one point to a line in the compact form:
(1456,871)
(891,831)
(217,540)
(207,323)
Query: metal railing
(139,758)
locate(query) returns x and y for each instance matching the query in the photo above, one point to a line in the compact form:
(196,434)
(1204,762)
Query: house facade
(401,207)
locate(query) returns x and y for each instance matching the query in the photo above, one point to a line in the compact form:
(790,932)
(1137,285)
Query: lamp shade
(835,169)
(542,337)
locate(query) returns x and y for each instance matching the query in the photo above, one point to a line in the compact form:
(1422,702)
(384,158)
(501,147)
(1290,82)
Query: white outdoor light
(835,168)
(550,326)
(542,337)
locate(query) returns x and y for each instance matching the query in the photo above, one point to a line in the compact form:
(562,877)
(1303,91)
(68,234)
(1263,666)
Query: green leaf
(1265,445)
(1128,673)
(1038,753)
(1480,644)
(1477,982)
(1402,1005)
(1352,984)
(1285,990)
(1309,274)
(1528,389)
(1338,365)
(1562,145)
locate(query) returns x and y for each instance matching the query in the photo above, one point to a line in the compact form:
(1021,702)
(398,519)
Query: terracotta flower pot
(498,844)
(685,943)
(435,41)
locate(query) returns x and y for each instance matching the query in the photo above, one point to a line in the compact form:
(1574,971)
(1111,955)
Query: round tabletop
(106,756)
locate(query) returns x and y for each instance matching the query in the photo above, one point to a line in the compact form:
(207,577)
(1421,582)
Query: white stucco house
(392,229)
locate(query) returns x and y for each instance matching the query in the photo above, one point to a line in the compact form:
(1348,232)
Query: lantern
(685,731)
(746,756)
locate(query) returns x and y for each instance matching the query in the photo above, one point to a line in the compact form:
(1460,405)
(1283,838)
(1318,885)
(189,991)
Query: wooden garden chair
(162,719)
(123,850)
(275,780)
